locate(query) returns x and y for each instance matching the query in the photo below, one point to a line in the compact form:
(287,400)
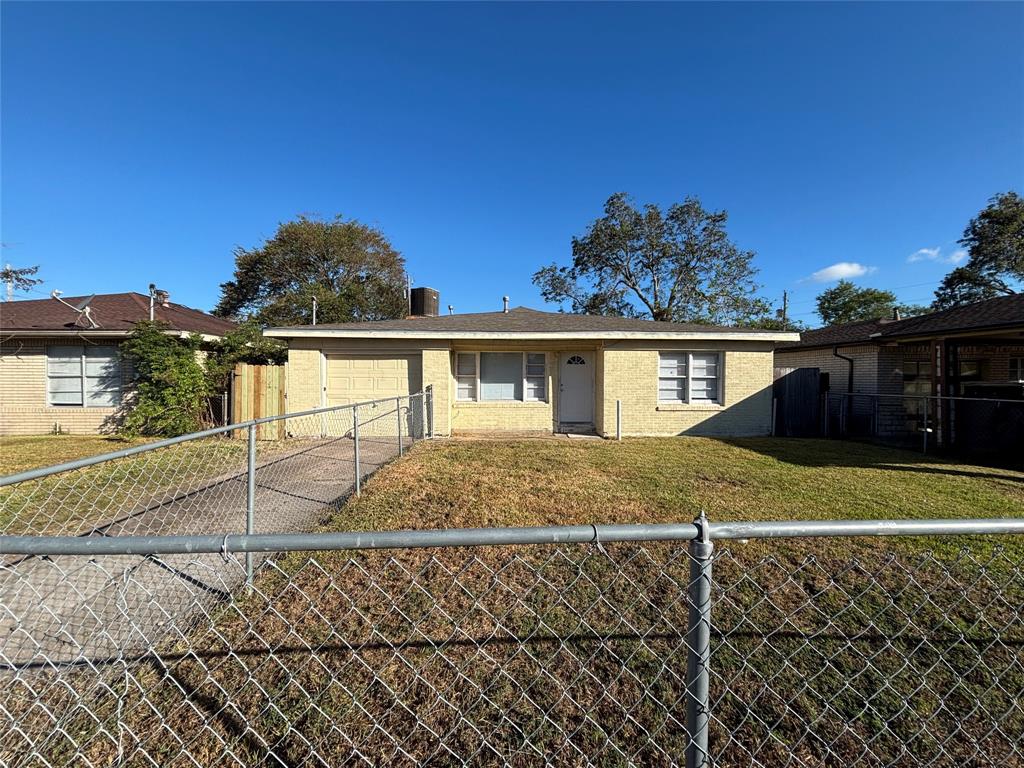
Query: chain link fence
(982,429)
(277,474)
(726,644)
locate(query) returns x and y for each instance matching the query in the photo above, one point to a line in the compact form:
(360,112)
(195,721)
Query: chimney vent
(424,302)
(451,310)
(896,313)
(504,300)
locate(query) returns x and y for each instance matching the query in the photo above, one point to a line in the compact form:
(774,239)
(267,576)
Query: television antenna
(82,308)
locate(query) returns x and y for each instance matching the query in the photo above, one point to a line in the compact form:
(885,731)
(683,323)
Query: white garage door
(355,378)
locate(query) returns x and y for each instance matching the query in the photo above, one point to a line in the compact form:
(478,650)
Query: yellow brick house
(61,370)
(525,370)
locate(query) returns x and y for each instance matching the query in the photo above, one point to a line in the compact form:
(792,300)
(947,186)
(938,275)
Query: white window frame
(689,377)
(525,377)
(83,377)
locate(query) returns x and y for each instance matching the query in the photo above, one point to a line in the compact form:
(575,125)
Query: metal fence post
(355,440)
(698,648)
(398,410)
(618,419)
(250,499)
(428,405)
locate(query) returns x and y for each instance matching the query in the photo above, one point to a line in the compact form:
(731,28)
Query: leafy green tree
(171,387)
(679,265)
(349,267)
(244,344)
(994,240)
(22,279)
(846,303)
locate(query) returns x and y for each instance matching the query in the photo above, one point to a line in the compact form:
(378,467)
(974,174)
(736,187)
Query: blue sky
(143,142)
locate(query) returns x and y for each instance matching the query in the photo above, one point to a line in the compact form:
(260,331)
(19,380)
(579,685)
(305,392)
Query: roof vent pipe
(451,310)
(896,313)
(504,300)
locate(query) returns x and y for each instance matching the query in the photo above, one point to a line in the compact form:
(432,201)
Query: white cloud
(924,254)
(935,254)
(841,270)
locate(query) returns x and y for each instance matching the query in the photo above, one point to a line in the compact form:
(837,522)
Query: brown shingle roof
(991,314)
(111,311)
(523,320)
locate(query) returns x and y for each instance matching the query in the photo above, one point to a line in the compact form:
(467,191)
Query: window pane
(535,364)
(672,390)
(102,391)
(501,376)
(64,360)
(65,398)
(705,364)
(704,390)
(465,364)
(467,388)
(672,364)
(535,388)
(65,384)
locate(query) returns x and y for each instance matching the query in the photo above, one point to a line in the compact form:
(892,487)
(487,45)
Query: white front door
(576,388)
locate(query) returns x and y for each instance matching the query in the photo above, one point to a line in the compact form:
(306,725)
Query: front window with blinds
(501,376)
(83,375)
(689,377)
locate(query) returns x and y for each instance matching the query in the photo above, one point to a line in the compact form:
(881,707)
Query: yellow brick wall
(630,374)
(437,373)
(23,408)
(303,385)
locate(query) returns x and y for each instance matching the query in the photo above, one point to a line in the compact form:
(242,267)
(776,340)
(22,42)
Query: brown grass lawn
(885,652)
(549,482)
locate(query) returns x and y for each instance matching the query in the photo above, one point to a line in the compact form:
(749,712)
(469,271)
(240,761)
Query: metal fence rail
(726,644)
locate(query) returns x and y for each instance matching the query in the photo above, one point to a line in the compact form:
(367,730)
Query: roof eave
(101,332)
(335,333)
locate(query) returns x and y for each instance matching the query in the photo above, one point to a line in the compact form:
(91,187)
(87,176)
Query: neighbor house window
(83,375)
(689,377)
(1017,369)
(501,376)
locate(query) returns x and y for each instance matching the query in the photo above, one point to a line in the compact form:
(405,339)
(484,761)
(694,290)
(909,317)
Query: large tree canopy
(679,265)
(349,267)
(994,240)
(846,303)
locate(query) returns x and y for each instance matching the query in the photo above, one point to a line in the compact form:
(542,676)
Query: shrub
(171,386)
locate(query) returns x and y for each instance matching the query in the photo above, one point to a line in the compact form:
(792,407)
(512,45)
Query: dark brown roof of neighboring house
(110,311)
(522,320)
(991,314)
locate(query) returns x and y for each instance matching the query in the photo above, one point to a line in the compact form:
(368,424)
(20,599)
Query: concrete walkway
(78,610)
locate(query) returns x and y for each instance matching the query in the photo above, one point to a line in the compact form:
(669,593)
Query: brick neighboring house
(59,373)
(526,370)
(975,350)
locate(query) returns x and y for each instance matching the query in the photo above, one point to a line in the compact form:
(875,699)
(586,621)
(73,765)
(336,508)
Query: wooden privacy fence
(258,391)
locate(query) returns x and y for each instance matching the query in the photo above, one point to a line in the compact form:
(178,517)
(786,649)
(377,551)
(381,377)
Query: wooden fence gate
(258,391)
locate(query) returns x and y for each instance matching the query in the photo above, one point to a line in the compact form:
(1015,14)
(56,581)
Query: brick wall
(630,374)
(23,408)
(865,365)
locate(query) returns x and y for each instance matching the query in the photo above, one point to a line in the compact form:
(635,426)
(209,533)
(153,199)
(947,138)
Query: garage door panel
(354,378)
